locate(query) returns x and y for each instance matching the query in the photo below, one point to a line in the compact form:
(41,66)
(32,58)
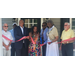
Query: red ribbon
(32,40)
(71,39)
(6,38)
(19,39)
(12,40)
(22,38)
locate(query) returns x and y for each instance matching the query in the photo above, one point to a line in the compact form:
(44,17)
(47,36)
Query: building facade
(29,22)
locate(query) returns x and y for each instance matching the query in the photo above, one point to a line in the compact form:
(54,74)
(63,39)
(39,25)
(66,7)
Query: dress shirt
(67,34)
(22,31)
(8,35)
(44,34)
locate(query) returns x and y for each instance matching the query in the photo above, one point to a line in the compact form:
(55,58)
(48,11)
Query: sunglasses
(43,25)
(5,26)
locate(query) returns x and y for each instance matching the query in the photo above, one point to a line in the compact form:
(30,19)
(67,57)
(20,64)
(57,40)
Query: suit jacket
(18,35)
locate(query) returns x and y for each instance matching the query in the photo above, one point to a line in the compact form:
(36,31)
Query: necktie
(23,32)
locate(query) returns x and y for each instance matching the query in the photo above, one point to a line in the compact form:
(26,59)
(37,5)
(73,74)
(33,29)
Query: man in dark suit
(21,46)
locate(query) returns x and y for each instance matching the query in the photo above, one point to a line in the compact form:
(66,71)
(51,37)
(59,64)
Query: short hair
(4,24)
(67,23)
(50,21)
(45,23)
(21,20)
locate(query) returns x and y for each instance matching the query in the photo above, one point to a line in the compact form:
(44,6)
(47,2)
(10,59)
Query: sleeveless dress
(34,49)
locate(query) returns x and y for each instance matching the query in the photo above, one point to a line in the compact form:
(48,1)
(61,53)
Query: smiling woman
(34,49)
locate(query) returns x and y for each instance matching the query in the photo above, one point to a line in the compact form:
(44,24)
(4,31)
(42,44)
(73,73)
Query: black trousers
(13,50)
(44,50)
(67,49)
(22,52)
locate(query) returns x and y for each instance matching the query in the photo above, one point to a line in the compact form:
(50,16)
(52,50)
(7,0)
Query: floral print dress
(34,49)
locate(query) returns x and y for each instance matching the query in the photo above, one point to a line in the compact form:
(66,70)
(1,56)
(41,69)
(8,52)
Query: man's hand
(65,42)
(60,48)
(7,47)
(26,37)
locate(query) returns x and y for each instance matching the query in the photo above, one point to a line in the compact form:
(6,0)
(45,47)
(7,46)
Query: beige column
(41,22)
(19,20)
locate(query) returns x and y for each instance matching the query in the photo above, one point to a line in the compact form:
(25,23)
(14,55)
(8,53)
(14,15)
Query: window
(73,23)
(46,19)
(30,22)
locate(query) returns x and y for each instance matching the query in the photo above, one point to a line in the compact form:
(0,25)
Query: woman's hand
(49,42)
(27,37)
(56,38)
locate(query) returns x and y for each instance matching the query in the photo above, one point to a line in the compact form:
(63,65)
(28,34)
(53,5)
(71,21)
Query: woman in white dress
(52,37)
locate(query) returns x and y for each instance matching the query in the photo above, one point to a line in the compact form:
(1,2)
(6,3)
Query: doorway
(29,22)
(72,22)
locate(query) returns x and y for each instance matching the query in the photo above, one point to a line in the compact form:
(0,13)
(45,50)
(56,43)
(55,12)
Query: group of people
(48,37)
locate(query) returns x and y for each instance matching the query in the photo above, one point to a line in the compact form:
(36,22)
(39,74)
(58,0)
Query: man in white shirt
(6,43)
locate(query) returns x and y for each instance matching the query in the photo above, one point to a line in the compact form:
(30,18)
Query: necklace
(34,35)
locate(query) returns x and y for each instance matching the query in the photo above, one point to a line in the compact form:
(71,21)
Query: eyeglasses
(65,25)
(5,26)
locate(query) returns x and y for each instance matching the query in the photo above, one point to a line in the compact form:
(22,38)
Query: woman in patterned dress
(34,49)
